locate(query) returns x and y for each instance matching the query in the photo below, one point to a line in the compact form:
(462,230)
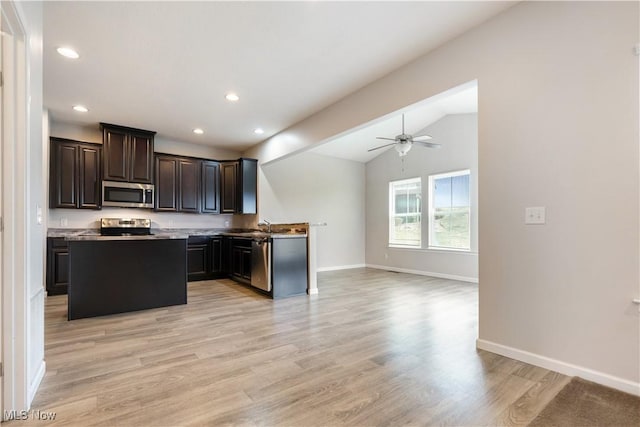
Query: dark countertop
(169,233)
(98,237)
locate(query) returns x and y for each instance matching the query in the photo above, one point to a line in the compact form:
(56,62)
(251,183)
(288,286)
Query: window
(449,211)
(405,214)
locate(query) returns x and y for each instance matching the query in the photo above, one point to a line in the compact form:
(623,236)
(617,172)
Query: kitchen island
(118,274)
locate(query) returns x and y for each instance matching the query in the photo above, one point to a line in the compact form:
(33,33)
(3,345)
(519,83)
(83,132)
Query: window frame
(431,212)
(392,214)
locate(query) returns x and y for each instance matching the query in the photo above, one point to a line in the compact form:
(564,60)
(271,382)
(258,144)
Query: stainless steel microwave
(127,194)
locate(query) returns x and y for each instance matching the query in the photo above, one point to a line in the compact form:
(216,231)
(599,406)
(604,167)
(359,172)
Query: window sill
(435,250)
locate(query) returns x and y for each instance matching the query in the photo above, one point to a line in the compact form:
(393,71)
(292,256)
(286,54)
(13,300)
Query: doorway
(13,119)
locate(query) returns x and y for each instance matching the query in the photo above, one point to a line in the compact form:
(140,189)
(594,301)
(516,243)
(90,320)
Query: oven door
(127,194)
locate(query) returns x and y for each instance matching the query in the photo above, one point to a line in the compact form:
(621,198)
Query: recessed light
(198,131)
(80,108)
(232,97)
(67,52)
(258,131)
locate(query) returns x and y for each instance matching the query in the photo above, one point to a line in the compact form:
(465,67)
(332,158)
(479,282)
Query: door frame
(13,141)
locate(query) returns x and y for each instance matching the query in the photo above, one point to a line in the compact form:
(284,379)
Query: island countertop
(170,233)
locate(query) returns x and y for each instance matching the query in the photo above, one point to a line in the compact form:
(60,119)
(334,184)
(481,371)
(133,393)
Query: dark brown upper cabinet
(74,174)
(189,185)
(128,154)
(166,183)
(228,179)
(210,187)
(178,183)
(239,181)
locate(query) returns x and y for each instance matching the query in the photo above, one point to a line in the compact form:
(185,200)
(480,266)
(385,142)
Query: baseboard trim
(424,273)
(560,366)
(313,291)
(35,384)
(340,267)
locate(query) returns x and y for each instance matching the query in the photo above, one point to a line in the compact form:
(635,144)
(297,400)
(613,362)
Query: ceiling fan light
(403,148)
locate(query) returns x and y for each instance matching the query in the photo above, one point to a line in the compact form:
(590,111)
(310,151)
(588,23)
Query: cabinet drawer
(59,242)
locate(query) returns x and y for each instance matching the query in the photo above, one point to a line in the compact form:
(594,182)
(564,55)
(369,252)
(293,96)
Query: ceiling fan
(404,142)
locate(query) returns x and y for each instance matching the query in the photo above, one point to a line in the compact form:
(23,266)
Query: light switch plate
(535,215)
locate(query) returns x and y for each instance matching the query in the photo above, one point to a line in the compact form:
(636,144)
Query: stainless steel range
(125,227)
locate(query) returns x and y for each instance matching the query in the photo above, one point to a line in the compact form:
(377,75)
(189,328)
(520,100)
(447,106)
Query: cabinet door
(189,185)
(115,152)
(89,189)
(198,255)
(64,175)
(57,266)
(236,261)
(229,177)
(141,160)
(166,184)
(248,187)
(216,256)
(210,187)
(246,263)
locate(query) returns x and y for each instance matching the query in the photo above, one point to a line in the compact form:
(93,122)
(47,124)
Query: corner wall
(314,188)
(558,127)
(458,135)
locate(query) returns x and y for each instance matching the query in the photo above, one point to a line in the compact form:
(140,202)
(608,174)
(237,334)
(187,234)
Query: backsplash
(84,218)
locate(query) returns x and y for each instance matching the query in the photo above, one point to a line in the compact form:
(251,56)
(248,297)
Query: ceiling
(166,66)
(354,145)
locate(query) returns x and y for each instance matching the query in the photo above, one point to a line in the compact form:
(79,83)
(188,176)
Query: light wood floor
(373,348)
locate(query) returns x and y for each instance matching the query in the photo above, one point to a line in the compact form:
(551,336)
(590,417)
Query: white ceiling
(354,145)
(166,66)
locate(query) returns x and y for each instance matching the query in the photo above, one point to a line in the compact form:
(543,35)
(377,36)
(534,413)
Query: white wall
(458,135)
(314,188)
(23,196)
(84,218)
(558,127)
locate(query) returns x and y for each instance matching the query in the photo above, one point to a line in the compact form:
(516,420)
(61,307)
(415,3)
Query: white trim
(37,379)
(434,250)
(425,273)
(340,267)
(561,367)
(313,291)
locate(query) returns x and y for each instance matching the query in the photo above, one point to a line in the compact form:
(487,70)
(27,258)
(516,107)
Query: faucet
(267,223)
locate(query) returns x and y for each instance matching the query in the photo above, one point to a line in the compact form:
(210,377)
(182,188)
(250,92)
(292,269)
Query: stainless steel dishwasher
(261,263)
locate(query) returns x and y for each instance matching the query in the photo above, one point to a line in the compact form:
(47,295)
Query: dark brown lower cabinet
(204,258)
(57,266)
(240,260)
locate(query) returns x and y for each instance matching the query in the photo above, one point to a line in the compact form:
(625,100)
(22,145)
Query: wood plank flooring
(373,348)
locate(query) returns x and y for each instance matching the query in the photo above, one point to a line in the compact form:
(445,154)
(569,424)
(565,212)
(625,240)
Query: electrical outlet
(39,214)
(535,215)
(63,222)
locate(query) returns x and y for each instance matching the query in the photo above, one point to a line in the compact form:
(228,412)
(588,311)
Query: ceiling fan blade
(382,137)
(422,138)
(428,144)
(382,146)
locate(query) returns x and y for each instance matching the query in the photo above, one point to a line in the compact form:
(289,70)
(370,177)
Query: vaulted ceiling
(167,66)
